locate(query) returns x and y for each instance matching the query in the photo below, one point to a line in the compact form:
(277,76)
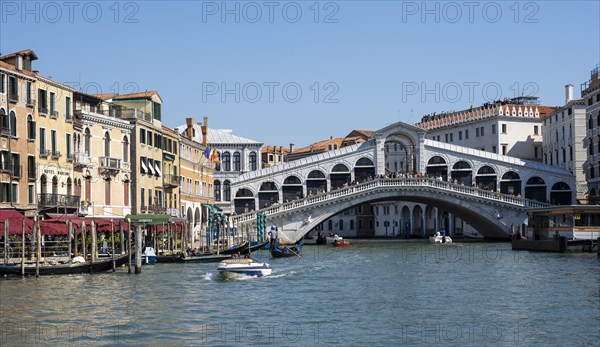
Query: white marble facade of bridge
(405,147)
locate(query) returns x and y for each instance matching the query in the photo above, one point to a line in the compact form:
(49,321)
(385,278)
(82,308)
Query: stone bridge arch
(493,219)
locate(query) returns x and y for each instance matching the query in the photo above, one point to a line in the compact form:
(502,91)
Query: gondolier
(273,237)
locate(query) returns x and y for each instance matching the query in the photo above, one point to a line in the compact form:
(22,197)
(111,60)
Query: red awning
(54,227)
(59,226)
(15,221)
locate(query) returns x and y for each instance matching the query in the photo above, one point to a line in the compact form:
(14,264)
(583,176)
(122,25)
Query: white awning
(144,168)
(150,167)
(157,168)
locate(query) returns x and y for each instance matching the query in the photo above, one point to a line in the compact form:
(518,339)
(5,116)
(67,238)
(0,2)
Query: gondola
(205,258)
(280,251)
(255,246)
(235,249)
(64,269)
(169,258)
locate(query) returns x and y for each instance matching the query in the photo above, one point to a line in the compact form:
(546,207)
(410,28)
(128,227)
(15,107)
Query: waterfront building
(18,132)
(238,155)
(512,127)
(564,132)
(143,112)
(101,158)
(170,170)
(274,155)
(330,144)
(44,107)
(590,92)
(54,120)
(197,178)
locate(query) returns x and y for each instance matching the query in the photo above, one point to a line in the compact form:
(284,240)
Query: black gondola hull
(64,269)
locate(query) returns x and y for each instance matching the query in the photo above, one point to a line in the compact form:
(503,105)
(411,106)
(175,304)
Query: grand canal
(375,293)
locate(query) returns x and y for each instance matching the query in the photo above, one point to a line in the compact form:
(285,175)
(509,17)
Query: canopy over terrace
(15,222)
(59,226)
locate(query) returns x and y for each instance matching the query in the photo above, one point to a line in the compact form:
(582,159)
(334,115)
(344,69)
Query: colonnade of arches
(510,182)
(406,220)
(295,186)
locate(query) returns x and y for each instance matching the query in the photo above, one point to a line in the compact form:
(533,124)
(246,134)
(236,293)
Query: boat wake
(208,276)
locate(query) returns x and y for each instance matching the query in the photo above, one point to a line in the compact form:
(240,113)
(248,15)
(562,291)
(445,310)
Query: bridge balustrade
(394,182)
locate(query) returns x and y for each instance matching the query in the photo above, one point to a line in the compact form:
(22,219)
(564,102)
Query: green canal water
(375,293)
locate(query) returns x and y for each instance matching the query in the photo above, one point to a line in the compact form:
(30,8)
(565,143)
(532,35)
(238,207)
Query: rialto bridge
(491,192)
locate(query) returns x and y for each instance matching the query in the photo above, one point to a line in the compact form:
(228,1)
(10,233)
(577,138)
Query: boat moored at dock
(560,229)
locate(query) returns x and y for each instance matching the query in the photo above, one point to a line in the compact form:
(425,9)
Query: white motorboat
(149,256)
(232,268)
(439,238)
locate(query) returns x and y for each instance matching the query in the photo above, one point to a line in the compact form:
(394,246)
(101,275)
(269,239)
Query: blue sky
(301,71)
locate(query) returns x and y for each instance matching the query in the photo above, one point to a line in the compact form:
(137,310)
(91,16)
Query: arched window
(13,124)
(226,191)
(43,184)
(30,128)
(4,123)
(107,144)
(217,191)
(69,186)
(226,161)
(253,166)
(87,141)
(341,224)
(54,185)
(236,161)
(125,149)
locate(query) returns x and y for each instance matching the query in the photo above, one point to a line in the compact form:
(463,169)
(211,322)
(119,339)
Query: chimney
(19,62)
(292,147)
(205,132)
(568,93)
(189,122)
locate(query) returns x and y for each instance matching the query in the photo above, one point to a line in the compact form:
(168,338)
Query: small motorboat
(341,243)
(234,268)
(149,256)
(331,238)
(439,238)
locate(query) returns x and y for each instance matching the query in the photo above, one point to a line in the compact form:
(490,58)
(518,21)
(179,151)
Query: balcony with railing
(592,84)
(55,155)
(9,169)
(69,157)
(129,113)
(170,181)
(30,102)
(5,131)
(110,164)
(46,200)
(81,159)
(54,114)
(43,110)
